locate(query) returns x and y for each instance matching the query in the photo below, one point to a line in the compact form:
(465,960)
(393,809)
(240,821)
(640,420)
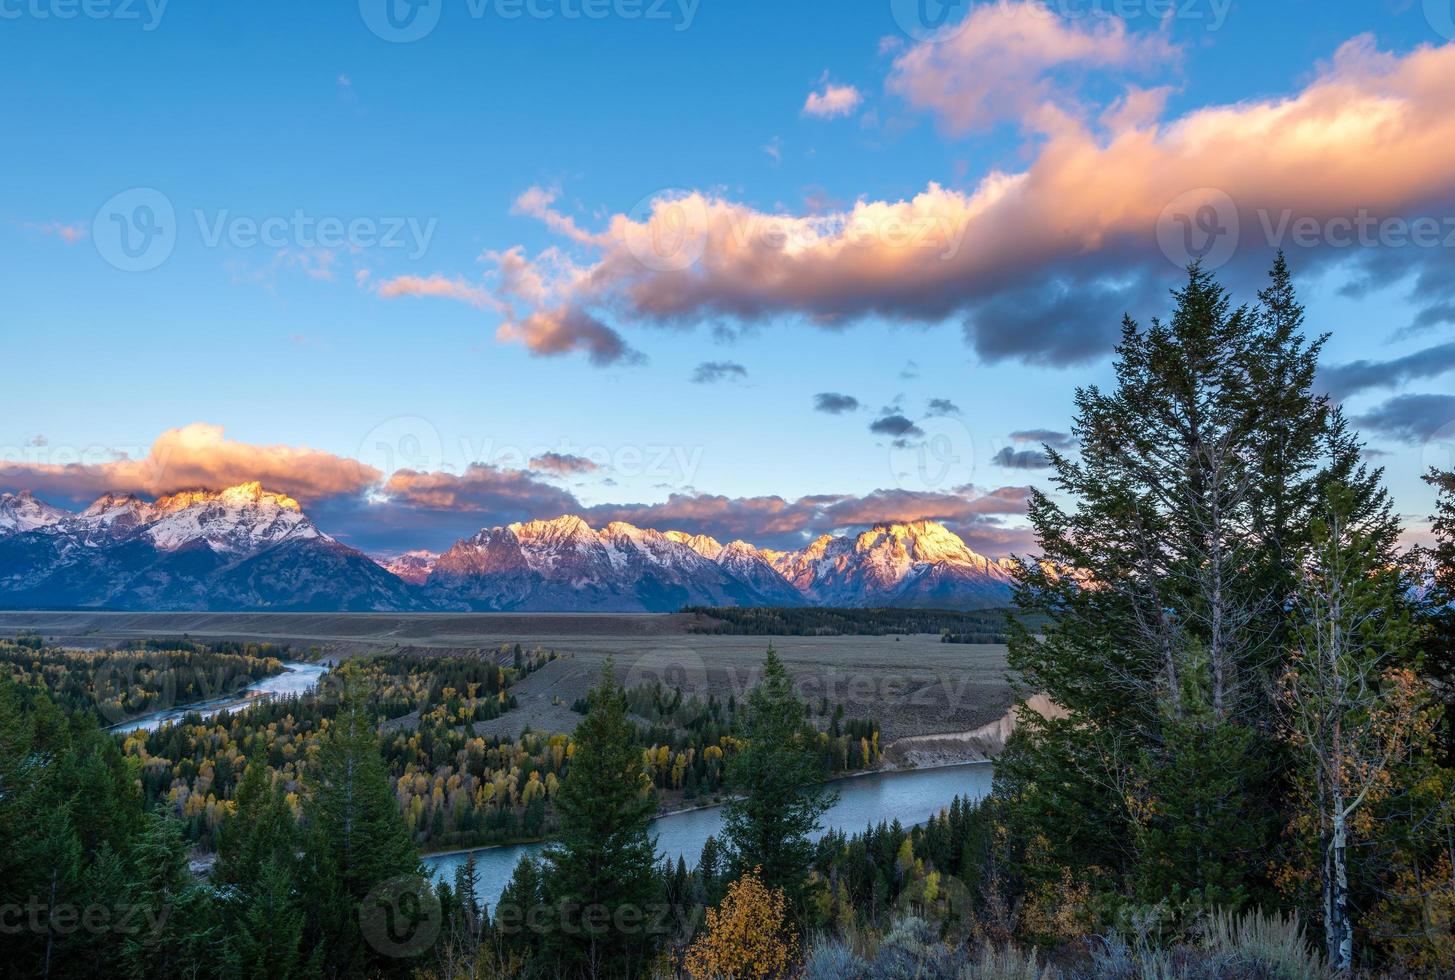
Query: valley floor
(913,685)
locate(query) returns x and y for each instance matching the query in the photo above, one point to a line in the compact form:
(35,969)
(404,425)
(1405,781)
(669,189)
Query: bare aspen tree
(1353,709)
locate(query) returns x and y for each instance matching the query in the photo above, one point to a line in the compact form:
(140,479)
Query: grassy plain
(914,685)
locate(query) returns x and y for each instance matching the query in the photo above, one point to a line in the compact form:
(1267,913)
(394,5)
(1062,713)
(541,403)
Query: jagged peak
(565,526)
(250,494)
(113,501)
(704,544)
(24,511)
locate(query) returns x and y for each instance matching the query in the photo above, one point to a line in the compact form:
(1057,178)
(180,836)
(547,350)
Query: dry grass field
(914,685)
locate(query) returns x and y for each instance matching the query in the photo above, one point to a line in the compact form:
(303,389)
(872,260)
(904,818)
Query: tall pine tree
(777,782)
(599,876)
(1166,586)
(356,839)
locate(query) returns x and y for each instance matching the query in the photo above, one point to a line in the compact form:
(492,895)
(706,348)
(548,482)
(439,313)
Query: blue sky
(238,112)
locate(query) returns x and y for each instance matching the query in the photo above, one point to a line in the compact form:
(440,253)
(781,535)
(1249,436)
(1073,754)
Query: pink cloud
(563,464)
(68,232)
(997,63)
(436,285)
(1041,263)
(562,329)
(481,488)
(780,522)
(832,101)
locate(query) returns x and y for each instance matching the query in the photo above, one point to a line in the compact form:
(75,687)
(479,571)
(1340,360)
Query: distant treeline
(982,626)
(139,678)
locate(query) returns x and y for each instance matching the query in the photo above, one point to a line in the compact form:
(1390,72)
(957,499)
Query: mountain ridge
(247,548)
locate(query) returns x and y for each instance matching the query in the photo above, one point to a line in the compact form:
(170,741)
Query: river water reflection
(910,796)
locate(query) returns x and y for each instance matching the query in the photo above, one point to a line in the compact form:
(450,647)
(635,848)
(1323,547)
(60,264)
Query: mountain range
(246,548)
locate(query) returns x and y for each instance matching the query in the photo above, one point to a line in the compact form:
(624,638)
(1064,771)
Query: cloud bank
(1037,265)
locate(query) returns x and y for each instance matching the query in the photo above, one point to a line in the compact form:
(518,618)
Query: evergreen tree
(257,873)
(174,925)
(265,934)
(356,840)
(599,876)
(260,830)
(708,874)
(1167,589)
(519,902)
(777,782)
(1440,606)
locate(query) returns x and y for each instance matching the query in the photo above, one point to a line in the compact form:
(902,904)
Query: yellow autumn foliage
(748,936)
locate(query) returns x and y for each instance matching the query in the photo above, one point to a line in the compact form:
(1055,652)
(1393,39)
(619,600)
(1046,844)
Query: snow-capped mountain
(22,512)
(412,566)
(745,562)
(922,563)
(565,565)
(246,548)
(239,548)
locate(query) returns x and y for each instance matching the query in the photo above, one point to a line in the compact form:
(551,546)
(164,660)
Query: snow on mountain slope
(245,547)
(237,520)
(239,548)
(919,563)
(563,564)
(412,566)
(22,512)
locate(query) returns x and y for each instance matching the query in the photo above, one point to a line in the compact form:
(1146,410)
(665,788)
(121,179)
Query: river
(910,796)
(297,678)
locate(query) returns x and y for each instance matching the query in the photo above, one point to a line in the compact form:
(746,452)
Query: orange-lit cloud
(1038,264)
(196,456)
(777,521)
(410,509)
